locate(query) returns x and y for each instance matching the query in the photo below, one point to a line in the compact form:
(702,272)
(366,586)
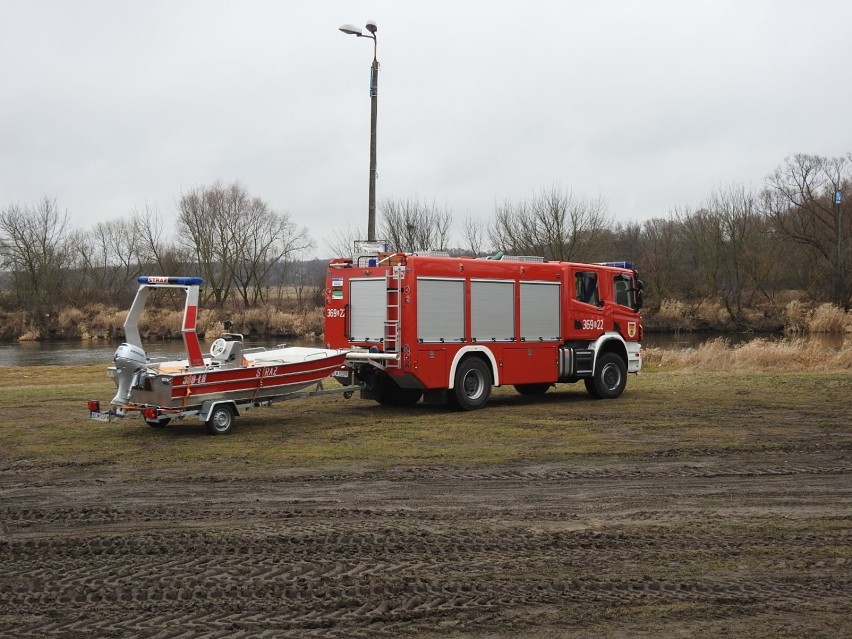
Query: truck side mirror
(638,295)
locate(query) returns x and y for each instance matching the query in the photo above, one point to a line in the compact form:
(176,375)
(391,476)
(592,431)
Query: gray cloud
(108,106)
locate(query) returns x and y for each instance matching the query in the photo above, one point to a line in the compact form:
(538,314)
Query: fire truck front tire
(472,385)
(609,379)
(221,420)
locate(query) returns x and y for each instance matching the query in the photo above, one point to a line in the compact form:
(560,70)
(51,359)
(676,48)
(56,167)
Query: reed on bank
(290,320)
(759,355)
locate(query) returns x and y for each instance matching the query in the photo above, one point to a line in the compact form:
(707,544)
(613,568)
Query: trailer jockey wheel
(221,420)
(609,379)
(472,385)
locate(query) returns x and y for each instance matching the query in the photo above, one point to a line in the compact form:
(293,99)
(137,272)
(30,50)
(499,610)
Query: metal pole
(374,96)
(838,217)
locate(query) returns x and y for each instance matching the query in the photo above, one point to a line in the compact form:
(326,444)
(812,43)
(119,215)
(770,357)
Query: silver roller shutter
(367,309)
(540,311)
(440,310)
(492,310)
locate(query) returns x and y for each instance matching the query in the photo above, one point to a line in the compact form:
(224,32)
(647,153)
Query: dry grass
(825,318)
(45,421)
(759,355)
(103,322)
(828,318)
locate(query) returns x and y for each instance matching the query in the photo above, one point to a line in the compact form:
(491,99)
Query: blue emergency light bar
(617,264)
(180,281)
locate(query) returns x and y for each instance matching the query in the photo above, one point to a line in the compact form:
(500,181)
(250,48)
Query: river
(86,352)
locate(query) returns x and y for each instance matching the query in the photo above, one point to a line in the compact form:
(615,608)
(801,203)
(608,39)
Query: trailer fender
(208,406)
(474,349)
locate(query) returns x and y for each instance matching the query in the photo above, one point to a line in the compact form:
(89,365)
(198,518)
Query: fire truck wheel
(532,389)
(221,420)
(609,379)
(473,385)
(154,423)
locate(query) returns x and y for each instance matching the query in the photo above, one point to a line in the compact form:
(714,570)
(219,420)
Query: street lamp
(374,92)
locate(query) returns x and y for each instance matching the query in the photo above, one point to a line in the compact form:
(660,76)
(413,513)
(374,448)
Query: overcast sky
(112,106)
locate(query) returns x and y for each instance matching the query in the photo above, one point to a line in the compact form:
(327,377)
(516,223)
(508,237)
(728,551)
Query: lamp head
(350,29)
(371,26)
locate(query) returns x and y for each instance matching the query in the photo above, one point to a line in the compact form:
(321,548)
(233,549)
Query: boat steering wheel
(218,347)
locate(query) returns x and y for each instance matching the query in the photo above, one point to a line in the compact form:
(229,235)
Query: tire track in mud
(411,552)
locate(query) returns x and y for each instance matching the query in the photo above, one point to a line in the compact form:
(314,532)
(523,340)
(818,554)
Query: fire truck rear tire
(609,379)
(472,385)
(221,420)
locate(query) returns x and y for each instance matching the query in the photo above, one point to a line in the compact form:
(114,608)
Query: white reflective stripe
(474,349)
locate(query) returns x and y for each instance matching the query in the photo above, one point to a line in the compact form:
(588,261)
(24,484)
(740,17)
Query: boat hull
(259,377)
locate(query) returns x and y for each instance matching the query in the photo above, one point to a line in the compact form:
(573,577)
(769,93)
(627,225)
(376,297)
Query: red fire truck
(447,329)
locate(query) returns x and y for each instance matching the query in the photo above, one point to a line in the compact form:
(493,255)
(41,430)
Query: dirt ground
(748,543)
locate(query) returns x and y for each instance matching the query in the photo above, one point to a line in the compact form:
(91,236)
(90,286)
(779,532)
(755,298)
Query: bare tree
(269,241)
(34,248)
(733,252)
(473,231)
(157,251)
(662,255)
(554,224)
(342,243)
(801,199)
(110,257)
(410,225)
(236,240)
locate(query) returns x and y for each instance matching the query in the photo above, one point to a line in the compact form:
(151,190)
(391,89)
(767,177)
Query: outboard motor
(129,360)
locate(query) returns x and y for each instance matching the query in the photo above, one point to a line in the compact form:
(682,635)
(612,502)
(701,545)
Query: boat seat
(224,352)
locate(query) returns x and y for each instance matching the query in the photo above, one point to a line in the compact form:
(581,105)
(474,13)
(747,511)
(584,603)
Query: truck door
(625,320)
(587,321)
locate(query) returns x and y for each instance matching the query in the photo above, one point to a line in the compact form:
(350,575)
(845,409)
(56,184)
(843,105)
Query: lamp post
(838,220)
(374,92)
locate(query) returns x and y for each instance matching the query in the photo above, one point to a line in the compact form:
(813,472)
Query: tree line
(742,247)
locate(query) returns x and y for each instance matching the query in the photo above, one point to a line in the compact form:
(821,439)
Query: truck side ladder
(394,314)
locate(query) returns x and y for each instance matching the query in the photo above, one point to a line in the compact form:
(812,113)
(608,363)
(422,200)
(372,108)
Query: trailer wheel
(473,385)
(221,420)
(158,423)
(532,389)
(609,379)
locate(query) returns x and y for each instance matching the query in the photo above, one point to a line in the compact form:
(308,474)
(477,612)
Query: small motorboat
(214,387)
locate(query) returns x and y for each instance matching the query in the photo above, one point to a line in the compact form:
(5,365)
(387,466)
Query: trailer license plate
(100,417)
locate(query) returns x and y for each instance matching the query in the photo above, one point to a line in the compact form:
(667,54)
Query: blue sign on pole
(838,197)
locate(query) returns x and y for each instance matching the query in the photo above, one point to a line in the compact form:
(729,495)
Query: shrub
(828,318)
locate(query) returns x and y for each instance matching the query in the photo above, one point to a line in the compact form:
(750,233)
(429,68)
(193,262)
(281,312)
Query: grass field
(711,499)
(677,398)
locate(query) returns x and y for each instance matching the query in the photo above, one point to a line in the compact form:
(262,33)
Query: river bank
(101,323)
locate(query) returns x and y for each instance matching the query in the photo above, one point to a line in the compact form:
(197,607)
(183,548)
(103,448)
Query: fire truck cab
(447,329)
